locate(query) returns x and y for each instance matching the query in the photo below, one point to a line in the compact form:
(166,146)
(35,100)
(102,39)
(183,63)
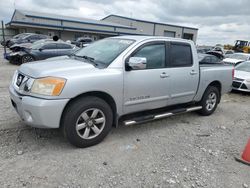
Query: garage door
(169,34)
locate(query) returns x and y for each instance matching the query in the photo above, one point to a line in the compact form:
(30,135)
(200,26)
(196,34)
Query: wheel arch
(100,94)
(216,84)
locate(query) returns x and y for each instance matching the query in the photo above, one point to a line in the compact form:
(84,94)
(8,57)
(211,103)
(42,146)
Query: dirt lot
(182,151)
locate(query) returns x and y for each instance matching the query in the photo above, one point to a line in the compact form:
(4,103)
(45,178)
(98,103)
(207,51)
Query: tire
(209,101)
(27,59)
(87,121)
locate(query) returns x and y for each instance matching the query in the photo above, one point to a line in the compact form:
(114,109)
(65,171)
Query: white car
(241,80)
(236,58)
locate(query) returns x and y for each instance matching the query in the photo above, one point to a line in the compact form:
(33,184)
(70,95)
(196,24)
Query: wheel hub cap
(211,101)
(90,123)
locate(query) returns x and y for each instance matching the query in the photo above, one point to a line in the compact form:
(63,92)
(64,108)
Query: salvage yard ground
(187,150)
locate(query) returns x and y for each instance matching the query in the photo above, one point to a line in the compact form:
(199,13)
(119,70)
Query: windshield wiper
(89,59)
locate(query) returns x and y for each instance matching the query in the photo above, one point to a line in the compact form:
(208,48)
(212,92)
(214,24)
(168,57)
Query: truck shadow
(240,93)
(34,139)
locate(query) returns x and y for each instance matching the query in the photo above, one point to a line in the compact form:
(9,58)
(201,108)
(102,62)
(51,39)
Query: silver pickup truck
(125,79)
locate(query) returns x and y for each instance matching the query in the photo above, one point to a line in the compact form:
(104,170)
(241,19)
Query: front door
(148,88)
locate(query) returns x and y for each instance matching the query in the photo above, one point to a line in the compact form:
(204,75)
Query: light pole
(4,39)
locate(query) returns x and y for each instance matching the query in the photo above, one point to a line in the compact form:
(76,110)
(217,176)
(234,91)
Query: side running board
(147,118)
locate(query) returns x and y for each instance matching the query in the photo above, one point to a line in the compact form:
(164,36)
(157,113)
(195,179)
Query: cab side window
(180,55)
(155,55)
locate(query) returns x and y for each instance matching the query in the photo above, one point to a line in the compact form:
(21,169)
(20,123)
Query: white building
(70,28)
(154,28)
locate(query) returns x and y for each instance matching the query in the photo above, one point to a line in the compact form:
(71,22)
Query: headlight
(51,86)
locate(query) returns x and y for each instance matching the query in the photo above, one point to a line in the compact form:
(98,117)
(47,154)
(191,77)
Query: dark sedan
(7,43)
(82,41)
(28,38)
(41,51)
(210,57)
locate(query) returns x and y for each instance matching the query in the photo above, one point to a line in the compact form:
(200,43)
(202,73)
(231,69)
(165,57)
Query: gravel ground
(181,151)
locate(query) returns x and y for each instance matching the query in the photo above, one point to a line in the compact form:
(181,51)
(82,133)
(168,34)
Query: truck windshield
(104,51)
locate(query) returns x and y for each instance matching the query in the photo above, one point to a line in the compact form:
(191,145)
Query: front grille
(236,84)
(19,79)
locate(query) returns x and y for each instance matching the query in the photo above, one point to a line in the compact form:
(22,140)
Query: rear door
(147,88)
(48,50)
(183,73)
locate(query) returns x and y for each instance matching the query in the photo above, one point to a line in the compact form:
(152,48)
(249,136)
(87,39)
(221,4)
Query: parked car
(219,49)
(241,80)
(207,58)
(203,50)
(7,42)
(41,51)
(125,79)
(22,46)
(236,58)
(228,53)
(30,38)
(82,41)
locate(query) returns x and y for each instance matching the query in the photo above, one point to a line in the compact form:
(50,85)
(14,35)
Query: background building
(155,28)
(70,28)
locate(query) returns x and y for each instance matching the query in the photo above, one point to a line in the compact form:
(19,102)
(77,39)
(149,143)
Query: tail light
(233,73)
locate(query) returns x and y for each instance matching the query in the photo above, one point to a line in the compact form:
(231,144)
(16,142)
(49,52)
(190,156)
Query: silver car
(241,80)
(236,58)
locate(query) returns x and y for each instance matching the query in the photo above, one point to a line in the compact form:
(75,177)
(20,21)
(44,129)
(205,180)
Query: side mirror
(137,63)
(41,49)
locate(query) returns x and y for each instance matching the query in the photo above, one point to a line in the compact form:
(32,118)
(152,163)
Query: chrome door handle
(193,72)
(164,75)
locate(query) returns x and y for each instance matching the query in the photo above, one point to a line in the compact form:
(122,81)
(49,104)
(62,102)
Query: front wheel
(209,101)
(27,58)
(87,121)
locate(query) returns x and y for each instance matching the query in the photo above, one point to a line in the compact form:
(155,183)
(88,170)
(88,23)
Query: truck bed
(213,64)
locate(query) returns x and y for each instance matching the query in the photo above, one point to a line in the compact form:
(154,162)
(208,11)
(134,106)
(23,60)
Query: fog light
(28,116)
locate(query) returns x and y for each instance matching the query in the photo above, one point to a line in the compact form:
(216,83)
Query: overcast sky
(218,21)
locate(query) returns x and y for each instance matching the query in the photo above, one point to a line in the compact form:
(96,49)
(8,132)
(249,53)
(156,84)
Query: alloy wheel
(90,123)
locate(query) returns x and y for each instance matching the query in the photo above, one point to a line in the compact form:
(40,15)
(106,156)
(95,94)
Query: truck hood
(242,74)
(59,66)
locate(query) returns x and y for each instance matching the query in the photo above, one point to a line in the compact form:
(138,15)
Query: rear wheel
(209,101)
(87,121)
(27,58)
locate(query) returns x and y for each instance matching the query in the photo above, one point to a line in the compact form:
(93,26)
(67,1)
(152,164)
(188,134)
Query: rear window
(180,55)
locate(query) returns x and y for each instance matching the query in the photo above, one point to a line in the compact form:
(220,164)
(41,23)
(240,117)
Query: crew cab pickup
(118,80)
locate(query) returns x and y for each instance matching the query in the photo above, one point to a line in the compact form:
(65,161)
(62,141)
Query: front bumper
(241,85)
(14,59)
(36,112)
